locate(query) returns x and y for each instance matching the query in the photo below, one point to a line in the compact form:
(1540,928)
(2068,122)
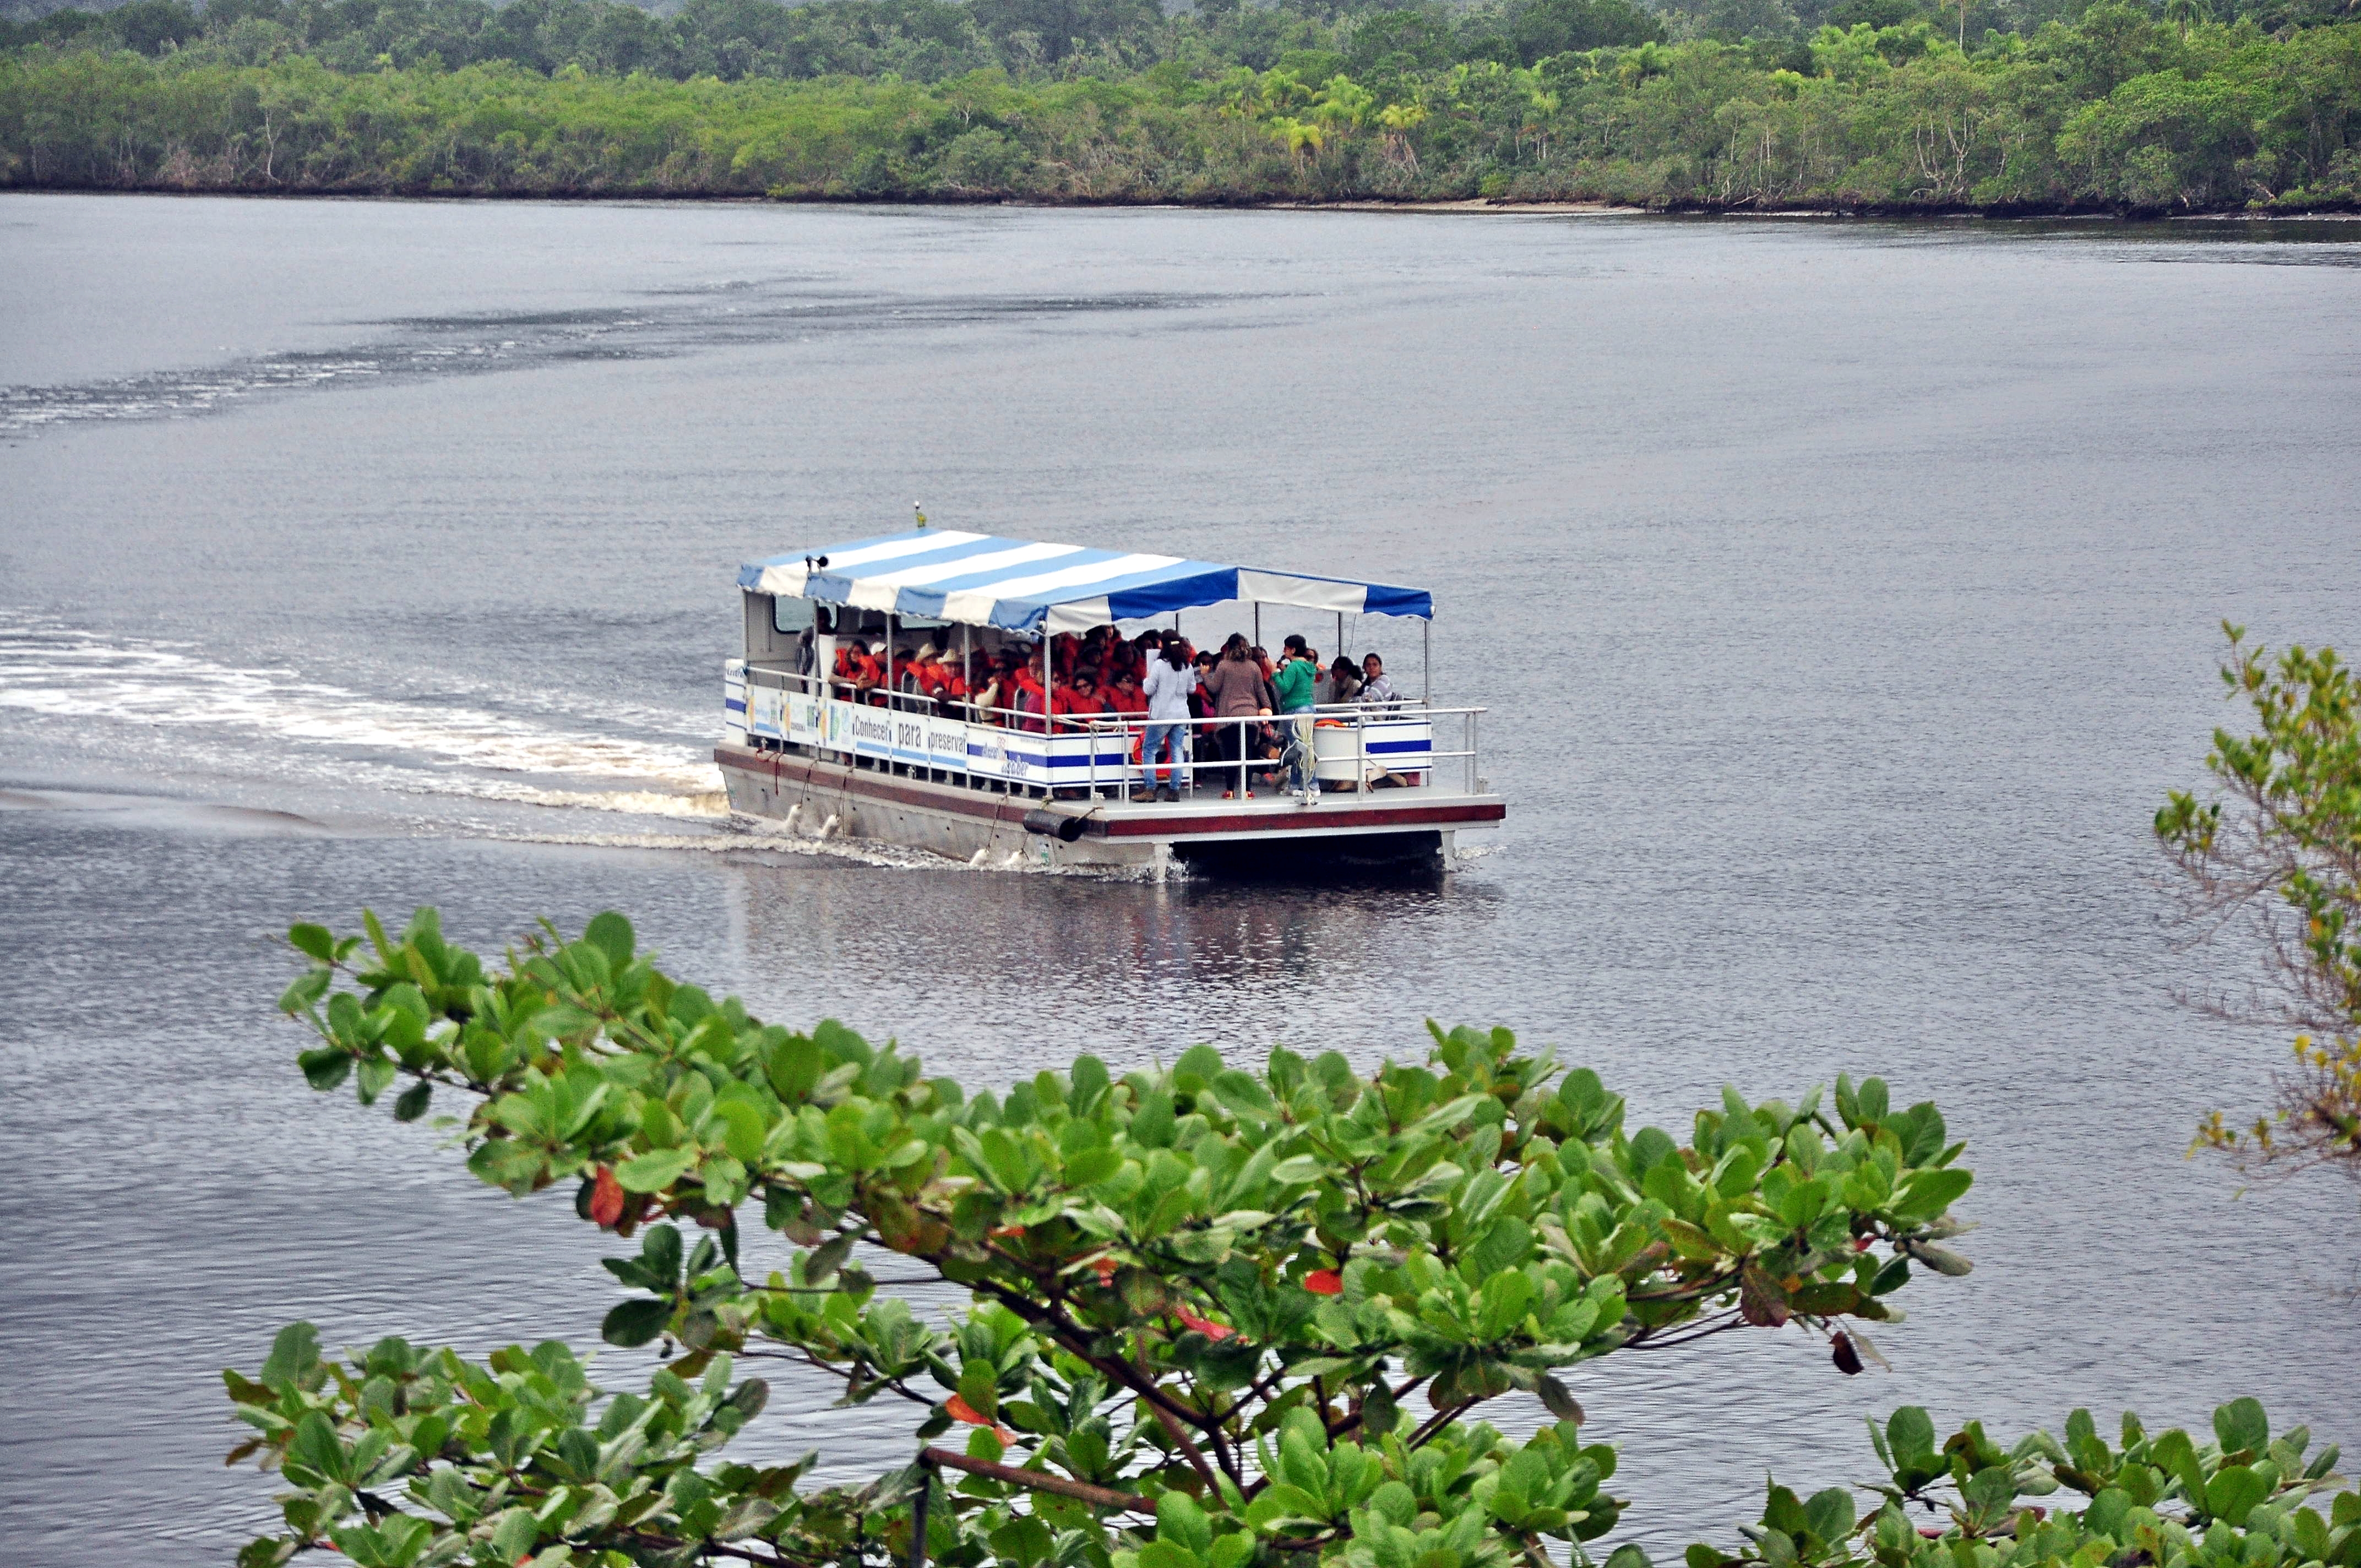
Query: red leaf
(960,1411)
(1324,1282)
(1205,1326)
(606,1200)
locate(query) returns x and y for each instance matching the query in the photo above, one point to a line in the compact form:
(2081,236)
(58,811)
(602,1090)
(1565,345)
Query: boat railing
(1355,748)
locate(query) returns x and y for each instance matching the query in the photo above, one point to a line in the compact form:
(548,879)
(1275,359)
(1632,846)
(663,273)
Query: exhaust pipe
(1053,825)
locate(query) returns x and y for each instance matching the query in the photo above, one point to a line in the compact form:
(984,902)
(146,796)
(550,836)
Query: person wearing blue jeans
(1165,743)
(1166,687)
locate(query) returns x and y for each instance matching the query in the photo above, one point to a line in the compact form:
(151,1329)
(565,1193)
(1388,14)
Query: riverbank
(2338,210)
(2105,119)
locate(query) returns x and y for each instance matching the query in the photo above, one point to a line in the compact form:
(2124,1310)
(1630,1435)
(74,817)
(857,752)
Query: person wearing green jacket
(1293,679)
(1299,669)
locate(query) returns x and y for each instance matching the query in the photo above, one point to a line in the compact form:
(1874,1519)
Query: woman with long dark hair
(1235,690)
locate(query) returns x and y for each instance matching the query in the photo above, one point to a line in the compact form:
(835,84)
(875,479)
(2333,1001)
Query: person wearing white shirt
(1168,683)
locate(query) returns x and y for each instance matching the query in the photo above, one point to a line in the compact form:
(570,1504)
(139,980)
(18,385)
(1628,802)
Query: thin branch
(1645,1339)
(1038,1481)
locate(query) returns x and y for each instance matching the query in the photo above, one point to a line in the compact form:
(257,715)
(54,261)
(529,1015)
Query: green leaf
(314,1446)
(1926,1193)
(2177,1455)
(2241,1425)
(375,1075)
(1180,1520)
(2234,1491)
(294,1357)
(1910,1430)
(743,1131)
(413,1102)
(636,1321)
(514,1535)
(610,934)
(308,987)
(315,942)
(656,1170)
(1093,1165)
(327,1066)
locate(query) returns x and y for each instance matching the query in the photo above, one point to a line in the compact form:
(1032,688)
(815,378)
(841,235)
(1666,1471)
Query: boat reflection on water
(1018,973)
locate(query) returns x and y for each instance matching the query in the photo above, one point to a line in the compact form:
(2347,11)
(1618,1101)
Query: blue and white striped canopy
(944,575)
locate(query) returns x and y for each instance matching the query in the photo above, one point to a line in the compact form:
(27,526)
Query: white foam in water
(60,673)
(438,750)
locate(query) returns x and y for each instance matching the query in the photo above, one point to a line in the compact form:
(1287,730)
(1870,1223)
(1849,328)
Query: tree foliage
(2278,856)
(1882,105)
(1215,1317)
(2244,1499)
(1261,1308)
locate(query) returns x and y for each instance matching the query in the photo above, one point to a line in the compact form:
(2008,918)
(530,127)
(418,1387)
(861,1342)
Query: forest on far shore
(1993,106)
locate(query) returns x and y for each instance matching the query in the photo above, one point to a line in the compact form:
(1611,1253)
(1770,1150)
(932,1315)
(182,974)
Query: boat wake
(95,689)
(408,350)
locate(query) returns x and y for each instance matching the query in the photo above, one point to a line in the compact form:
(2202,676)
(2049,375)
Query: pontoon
(1005,783)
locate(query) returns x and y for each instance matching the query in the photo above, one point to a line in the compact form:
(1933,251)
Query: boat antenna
(919,508)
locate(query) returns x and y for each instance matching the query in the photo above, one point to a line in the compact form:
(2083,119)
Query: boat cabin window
(791,615)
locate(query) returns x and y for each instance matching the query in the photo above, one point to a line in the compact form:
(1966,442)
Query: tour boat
(878,757)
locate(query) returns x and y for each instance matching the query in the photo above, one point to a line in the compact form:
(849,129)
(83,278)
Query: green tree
(2276,859)
(1217,1317)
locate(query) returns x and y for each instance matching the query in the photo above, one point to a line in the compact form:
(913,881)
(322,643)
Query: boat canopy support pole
(1427,661)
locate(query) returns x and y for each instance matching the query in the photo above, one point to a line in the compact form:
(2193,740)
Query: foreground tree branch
(2276,859)
(1196,1292)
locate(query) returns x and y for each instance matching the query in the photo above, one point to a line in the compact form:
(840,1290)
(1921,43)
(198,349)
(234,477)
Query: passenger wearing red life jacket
(857,673)
(1126,697)
(1081,700)
(926,675)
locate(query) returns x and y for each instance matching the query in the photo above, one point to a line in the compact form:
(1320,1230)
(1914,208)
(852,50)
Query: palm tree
(1298,135)
(1399,120)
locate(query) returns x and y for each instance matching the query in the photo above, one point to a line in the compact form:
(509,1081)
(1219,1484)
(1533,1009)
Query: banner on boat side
(926,741)
(872,730)
(945,744)
(766,712)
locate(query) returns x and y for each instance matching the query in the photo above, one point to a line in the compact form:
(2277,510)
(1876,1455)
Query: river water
(1844,596)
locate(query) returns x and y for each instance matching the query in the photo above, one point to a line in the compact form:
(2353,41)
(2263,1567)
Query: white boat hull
(963,819)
